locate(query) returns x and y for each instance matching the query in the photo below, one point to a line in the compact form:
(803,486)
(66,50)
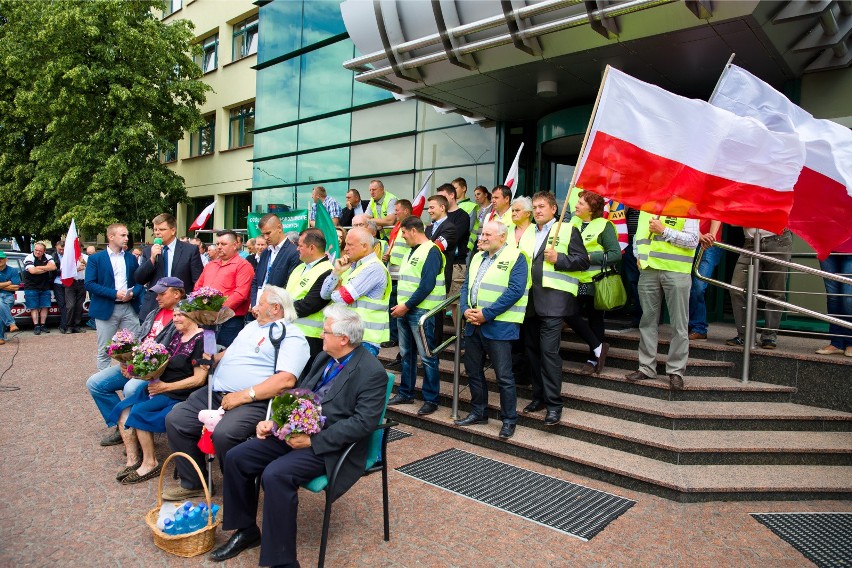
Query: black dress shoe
(388,344)
(552,417)
(395,364)
(534,406)
(242,539)
(74,330)
(427,408)
(471,419)
(63,331)
(507,431)
(399,399)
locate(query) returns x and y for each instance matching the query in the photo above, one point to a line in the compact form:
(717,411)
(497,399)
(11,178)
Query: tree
(91,92)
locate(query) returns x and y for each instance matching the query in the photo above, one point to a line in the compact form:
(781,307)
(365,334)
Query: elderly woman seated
(145,411)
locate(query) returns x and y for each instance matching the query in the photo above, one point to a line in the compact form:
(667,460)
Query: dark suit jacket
(346,214)
(100,283)
(186,265)
(547,302)
(447,230)
(286,260)
(352,408)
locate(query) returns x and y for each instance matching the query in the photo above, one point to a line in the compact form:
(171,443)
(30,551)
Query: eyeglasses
(328,332)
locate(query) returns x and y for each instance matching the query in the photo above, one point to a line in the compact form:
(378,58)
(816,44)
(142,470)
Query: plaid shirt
(331,206)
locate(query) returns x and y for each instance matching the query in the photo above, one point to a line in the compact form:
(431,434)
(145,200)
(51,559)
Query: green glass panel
(278,94)
(326,86)
(325,132)
(261,200)
(392,155)
(384,120)
(280,29)
(470,144)
(275,142)
(428,118)
(274,172)
(329,164)
(322,20)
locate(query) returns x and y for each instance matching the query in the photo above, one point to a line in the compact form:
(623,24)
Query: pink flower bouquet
(206,307)
(149,360)
(296,411)
(121,345)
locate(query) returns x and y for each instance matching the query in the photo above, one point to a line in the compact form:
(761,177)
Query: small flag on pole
(417,207)
(512,177)
(202,218)
(324,223)
(68,266)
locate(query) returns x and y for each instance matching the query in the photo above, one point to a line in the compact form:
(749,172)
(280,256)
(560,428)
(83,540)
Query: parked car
(19,311)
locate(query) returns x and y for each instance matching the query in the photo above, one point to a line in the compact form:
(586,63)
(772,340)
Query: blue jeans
(500,353)
(410,345)
(394,330)
(104,384)
(6,319)
(228,331)
(839,306)
(697,305)
(631,276)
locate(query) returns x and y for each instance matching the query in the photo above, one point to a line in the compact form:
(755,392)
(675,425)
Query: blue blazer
(100,283)
(285,261)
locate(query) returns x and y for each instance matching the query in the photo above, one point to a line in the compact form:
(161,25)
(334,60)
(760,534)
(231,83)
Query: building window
(242,126)
(245,38)
(203,141)
(168,153)
(171,7)
(208,59)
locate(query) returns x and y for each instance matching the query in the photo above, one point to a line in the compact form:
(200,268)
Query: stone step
(687,483)
(682,446)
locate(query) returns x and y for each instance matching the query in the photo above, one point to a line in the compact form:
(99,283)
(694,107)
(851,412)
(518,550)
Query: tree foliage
(90,92)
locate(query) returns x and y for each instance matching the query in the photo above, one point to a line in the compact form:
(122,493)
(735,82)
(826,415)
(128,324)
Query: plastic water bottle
(214,509)
(169,527)
(187,507)
(192,521)
(180,523)
(167,511)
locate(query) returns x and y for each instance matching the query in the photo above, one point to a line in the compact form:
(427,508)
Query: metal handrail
(753,296)
(456,339)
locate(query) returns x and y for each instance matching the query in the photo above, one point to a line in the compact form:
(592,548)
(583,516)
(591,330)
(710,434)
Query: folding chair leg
(385,499)
(326,521)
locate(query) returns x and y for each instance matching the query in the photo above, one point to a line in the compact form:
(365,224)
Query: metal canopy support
(531,45)
(386,44)
(446,38)
(702,9)
(604,25)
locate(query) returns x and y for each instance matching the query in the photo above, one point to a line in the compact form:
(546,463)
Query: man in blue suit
(277,261)
(113,297)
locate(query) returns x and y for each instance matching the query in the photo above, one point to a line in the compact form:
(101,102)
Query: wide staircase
(786,434)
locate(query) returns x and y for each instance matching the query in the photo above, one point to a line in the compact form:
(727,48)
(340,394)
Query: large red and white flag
(512,177)
(417,207)
(73,251)
(668,155)
(822,202)
(202,218)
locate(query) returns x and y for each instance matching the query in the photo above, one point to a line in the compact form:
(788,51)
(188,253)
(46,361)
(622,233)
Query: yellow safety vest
(527,242)
(373,311)
(495,282)
(298,286)
(384,210)
(590,240)
(552,278)
(399,251)
(410,276)
(654,252)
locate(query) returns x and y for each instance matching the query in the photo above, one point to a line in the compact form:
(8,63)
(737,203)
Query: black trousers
(542,336)
(588,324)
(75,296)
(183,430)
(282,470)
(59,294)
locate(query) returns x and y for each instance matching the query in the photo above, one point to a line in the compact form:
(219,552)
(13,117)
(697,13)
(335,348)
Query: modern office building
(214,161)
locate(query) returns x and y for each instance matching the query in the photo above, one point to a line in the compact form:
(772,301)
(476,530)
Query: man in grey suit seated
(351,384)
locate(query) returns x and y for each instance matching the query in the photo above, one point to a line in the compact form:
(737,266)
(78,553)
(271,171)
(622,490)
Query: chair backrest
(374,449)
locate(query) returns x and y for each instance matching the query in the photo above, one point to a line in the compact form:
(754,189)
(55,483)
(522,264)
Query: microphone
(158,241)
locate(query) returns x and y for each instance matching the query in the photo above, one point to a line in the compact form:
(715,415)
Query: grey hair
(501,229)
(372,226)
(293,237)
(525,201)
(345,322)
(279,296)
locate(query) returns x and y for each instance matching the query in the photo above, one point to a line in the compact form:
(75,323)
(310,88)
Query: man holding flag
(72,271)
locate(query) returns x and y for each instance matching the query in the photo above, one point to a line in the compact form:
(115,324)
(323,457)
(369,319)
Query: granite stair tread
(682,478)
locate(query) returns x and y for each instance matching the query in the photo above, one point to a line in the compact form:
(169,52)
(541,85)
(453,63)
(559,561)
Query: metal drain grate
(394,435)
(573,509)
(824,538)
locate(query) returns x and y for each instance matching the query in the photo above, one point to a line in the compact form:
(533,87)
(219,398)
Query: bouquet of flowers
(149,360)
(205,306)
(121,345)
(296,411)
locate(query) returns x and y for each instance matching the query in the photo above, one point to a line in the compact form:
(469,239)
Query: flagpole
(722,76)
(582,150)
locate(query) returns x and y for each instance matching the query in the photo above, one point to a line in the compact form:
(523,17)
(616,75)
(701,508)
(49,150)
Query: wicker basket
(155,374)
(189,544)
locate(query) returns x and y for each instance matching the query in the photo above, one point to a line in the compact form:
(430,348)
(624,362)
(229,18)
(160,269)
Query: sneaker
(768,344)
(695,336)
(829,350)
(735,342)
(37,330)
(181,493)
(44,329)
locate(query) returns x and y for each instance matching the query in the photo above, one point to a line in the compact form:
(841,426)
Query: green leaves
(91,90)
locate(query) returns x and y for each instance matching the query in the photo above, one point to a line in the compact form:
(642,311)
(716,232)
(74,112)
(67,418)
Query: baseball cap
(165,283)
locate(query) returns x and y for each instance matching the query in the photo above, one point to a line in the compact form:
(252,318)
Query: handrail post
(457,366)
(753,286)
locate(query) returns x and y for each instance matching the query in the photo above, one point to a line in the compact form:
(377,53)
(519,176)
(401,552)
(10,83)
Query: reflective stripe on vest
(373,311)
(399,251)
(654,252)
(298,286)
(410,277)
(495,282)
(552,278)
(590,235)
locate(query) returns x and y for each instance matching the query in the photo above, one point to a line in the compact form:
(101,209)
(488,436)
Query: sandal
(136,478)
(128,470)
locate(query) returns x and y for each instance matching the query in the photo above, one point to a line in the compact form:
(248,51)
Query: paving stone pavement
(60,504)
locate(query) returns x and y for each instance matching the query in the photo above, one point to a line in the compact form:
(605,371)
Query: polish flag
(417,207)
(822,202)
(202,218)
(512,177)
(669,155)
(68,266)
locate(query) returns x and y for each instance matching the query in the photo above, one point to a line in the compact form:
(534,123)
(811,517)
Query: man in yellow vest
(305,285)
(360,281)
(501,200)
(420,288)
(664,249)
(394,258)
(381,207)
(553,296)
(493,303)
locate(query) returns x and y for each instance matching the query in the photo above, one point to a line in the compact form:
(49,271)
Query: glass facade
(317,125)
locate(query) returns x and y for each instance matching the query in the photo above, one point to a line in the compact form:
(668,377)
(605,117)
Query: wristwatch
(252,395)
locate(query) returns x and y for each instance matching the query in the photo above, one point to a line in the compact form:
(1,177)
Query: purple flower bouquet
(205,307)
(149,360)
(296,411)
(121,345)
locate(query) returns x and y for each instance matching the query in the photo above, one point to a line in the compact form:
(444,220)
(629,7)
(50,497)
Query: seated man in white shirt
(245,377)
